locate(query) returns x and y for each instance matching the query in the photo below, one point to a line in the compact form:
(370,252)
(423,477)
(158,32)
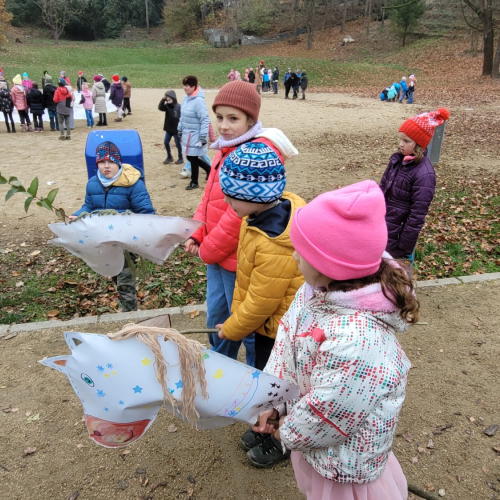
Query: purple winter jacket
(116,94)
(408,190)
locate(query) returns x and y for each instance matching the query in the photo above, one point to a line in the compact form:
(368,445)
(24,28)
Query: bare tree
(295,15)
(344,15)
(495,74)
(147,15)
(235,17)
(55,14)
(366,13)
(310,6)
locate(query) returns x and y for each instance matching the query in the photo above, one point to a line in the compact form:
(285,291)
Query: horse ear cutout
(61,362)
(73,339)
(77,342)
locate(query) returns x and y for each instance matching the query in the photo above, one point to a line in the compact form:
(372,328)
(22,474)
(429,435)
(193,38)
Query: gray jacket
(99,96)
(194,124)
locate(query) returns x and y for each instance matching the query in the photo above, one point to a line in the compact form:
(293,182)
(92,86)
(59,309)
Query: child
(88,104)
(36,104)
(287,82)
(304,82)
(63,98)
(18,94)
(237,75)
(48,101)
(6,106)
(267,276)
(275,79)
(411,89)
(116,96)
(251,76)
(127,92)
(265,80)
(231,75)
(397,86)
(105,82)
(337,343)
(99,97)
(27,84)
(65,78)
(172,110)
(247,71)
(404,89)
(409,182)
(81,80)
(44,79)
(117,186)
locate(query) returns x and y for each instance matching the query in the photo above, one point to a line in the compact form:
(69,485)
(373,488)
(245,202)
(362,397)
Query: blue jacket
(404,86)
(128,192)
(397,86)
(194,124)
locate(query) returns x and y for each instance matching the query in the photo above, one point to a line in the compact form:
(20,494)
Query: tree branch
(466,20)
(399,6)
(475,8)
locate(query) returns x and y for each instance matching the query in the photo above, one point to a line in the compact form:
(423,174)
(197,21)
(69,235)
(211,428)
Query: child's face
(232,122)
(406,145)
(108,168)
(312,276)
(169,100)
(242,208)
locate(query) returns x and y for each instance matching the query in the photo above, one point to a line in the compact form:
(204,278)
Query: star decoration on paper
(106,375)
(146,361)
(106,409)
(111,227)
(121,402)
(100,368)
(109,365)
(114,372)
(100,394)
(135,238)
(81,242)
(137,389)
(256,374)
(178,385)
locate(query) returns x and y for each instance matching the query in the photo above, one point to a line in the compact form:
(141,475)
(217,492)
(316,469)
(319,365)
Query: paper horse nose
(111,434)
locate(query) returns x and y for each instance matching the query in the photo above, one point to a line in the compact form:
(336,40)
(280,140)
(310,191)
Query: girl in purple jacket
(409,183)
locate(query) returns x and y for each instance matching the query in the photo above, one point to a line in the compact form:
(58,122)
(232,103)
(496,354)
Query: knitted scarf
(220,143)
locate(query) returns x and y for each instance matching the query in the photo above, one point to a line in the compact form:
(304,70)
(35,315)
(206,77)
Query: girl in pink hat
(337,343)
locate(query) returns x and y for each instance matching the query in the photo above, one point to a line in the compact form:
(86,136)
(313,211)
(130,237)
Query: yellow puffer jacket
(267,279)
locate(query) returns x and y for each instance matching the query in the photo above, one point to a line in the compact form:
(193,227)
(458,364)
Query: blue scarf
(107,182)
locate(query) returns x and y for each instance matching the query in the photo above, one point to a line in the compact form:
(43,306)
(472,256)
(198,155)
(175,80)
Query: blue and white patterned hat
(253,172)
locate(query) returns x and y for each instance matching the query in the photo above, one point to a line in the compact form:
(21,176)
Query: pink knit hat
(343,233)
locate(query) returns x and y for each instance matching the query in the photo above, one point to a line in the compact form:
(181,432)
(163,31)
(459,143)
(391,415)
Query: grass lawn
(155,65)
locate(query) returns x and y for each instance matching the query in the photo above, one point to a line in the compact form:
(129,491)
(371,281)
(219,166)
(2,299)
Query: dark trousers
(168,138)
(126,104)
(275,87)
(24,117)
(37,121)
(263,347)
(7,115)
(125,283)
(196,163)
(103,119)
(287,91)
(54,122)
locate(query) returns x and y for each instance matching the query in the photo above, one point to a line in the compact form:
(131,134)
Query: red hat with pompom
(421,128)
(116,78)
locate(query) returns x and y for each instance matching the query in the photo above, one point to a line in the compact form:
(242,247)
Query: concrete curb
(9,331)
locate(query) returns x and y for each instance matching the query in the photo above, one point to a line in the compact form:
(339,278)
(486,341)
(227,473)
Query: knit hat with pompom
(421,128)
(116,78)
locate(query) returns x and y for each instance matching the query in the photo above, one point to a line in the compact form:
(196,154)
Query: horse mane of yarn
(190,358)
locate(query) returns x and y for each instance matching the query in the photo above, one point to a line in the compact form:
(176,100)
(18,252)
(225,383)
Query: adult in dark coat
(304,82)
(251,76)
(48,101)
(408,189)
(36,105)
(293,81)
(6,104)
(172,110)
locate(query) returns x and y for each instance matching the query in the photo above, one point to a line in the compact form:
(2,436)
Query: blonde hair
(418,151)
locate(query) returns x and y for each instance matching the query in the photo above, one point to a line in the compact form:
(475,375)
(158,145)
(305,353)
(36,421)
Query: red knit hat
(80,73)
(421,128)
(240,95)
(116,78)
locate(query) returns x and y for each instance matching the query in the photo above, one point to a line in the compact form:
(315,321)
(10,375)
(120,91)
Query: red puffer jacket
(218,237)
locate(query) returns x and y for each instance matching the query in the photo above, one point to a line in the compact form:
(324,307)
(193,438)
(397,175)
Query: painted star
(100,368)
(121,402)
(100,394)
(256,374)
(109,365)
(81,242)
(114,372)
(137,389)
(135,238)
(146,361)
(106,375)
(178,385)
(111,227)
(106,409)
(273,384)
(269,393)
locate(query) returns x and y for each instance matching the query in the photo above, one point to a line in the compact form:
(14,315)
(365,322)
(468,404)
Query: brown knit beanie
(241,95)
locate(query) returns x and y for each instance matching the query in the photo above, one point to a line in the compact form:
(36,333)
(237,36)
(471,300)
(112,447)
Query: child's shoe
(180,161)
(191,186)
(30,128)
(118,119)
(169,159)
(24,128)
(267,454)
(62,138)
(185,174)
(68,138)
(252,439)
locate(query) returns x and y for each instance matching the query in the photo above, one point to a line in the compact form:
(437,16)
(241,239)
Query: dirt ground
(454,353)
(341,139)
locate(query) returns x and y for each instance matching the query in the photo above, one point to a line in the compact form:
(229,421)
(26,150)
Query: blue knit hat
(254,172)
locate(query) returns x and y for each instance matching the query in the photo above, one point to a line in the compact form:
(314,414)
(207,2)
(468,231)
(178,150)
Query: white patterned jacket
(352,376)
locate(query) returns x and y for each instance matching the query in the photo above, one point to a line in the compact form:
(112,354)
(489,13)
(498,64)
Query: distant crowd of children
(400,91)
(267,79)
(28,97)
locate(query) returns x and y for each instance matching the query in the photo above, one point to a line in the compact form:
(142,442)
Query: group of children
(312,290)
(399,91)
(27,97)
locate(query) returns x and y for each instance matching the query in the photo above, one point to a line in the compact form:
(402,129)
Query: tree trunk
(330,16)
(383,14)
(235,17)
(496,63)
(295,13)
(366,14)
(311,12)
(147,15)
(488,40)
(56,37)
(473,41)
(369,17)
(344,15)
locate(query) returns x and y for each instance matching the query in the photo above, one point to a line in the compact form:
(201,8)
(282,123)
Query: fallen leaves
(53,314)
(125,452)
(29,451)
(194,313)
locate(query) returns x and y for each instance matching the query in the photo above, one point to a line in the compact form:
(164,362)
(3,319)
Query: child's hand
(277,432)
(72,217)
(262,426)
(221,333)
(191,247)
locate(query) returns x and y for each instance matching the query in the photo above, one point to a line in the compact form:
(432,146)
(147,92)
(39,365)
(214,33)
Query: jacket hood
(282,239)
(200,93)
(129,176)
(99,85)
(281,141)
(172,95)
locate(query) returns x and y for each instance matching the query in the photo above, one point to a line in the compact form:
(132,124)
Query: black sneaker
(252,439)
(168,160)
(180,161)
(191,185)
(267,454)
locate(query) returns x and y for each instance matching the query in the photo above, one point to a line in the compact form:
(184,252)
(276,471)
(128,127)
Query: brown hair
(190,80)
(397,287)
(419,153)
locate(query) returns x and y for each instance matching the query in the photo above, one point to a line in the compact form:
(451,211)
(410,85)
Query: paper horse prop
(100,240)
(121,395)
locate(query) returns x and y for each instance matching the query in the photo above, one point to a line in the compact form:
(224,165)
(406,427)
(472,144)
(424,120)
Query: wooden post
(147,15)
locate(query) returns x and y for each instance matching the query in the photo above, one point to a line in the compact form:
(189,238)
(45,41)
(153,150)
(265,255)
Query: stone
(491,430)
(479,278)
(440,282)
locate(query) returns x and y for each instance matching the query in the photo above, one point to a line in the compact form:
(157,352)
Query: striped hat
(254,172)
